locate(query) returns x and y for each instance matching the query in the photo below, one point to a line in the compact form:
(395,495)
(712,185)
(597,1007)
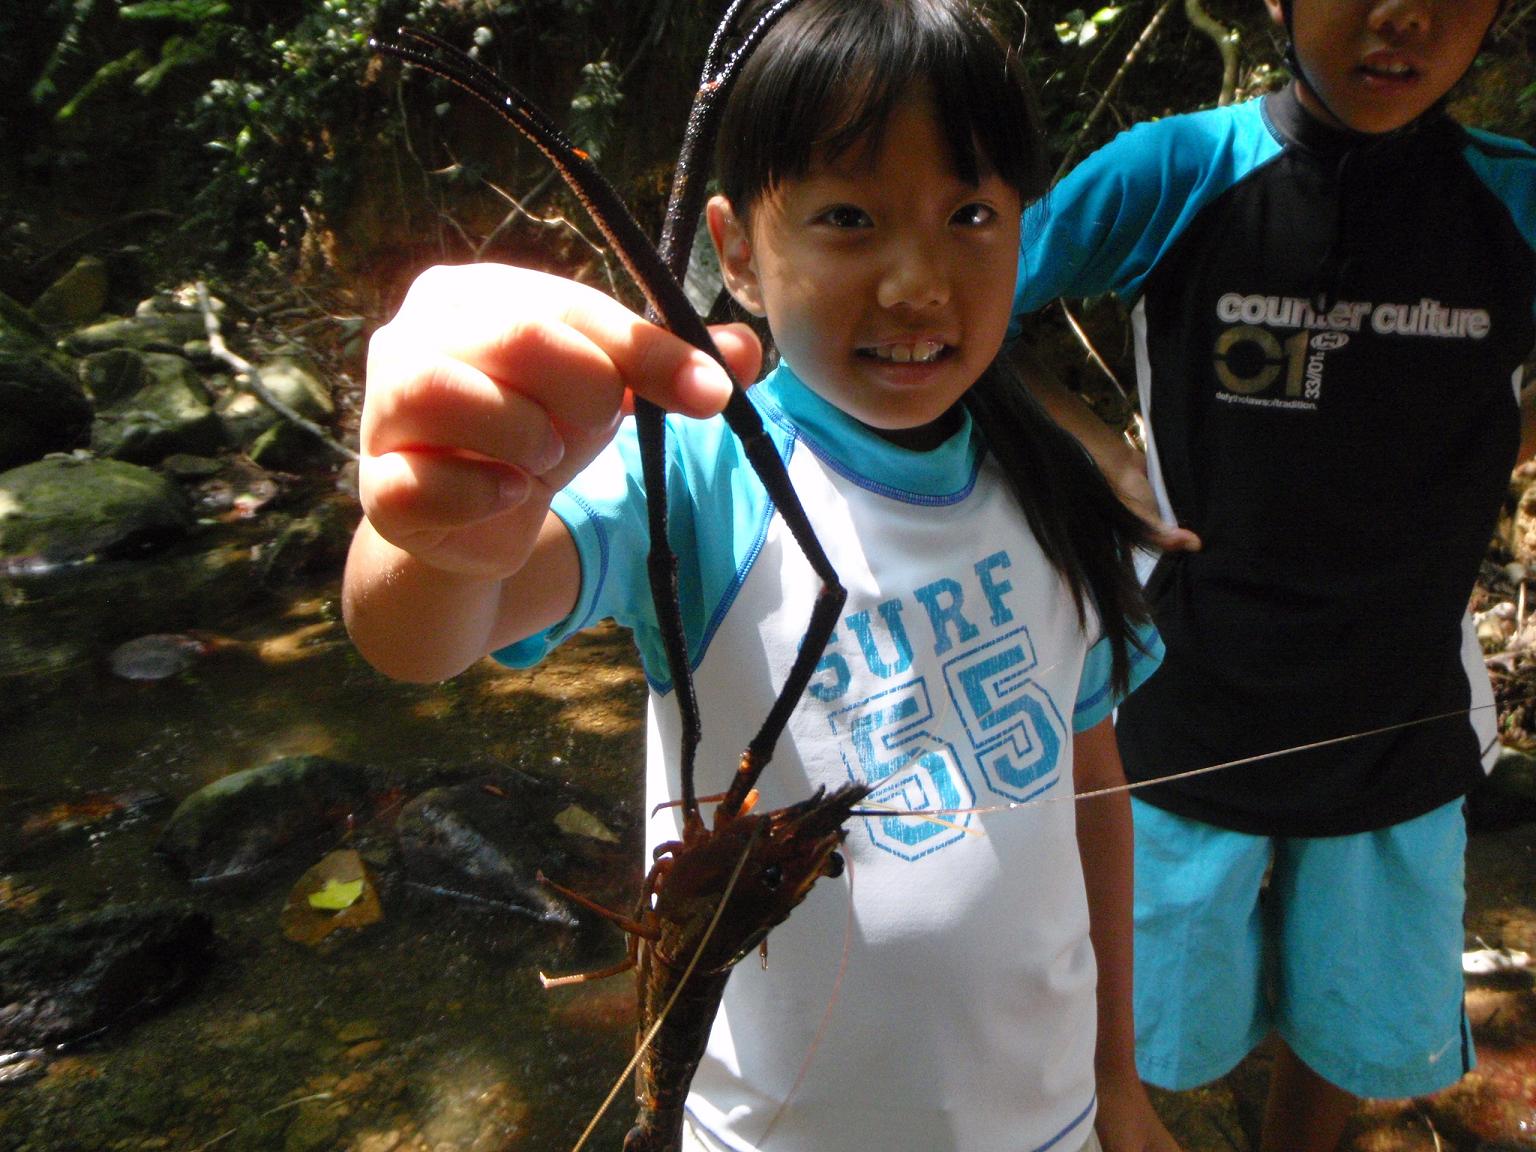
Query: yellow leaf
(336,895)
(577,821)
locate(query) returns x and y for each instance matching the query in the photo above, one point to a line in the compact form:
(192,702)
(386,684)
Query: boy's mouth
(916,352)
(1386,66)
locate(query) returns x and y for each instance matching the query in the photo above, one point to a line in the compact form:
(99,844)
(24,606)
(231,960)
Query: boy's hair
(826,80)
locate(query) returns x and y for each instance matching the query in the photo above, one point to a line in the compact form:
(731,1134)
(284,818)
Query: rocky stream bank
(253,896)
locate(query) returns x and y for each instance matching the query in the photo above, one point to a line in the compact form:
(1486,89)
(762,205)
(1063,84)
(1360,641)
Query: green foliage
(256,119)
(262,108)
(1079,28)
(595,107)
(184,11)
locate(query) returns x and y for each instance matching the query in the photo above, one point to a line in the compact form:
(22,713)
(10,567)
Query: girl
(876,156)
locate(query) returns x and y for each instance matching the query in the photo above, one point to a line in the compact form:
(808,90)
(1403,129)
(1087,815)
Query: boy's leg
(1304,1112)
(1368,985)
(1200,950)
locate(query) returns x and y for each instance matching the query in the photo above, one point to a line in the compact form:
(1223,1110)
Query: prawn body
(773,858)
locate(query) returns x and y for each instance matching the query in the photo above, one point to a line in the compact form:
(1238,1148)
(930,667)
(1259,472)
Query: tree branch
(245,369)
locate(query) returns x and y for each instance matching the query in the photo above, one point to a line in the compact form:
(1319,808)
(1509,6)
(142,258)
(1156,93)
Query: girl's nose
(915,278)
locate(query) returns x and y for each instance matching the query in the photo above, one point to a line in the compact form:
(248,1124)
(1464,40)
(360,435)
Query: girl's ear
(734,247)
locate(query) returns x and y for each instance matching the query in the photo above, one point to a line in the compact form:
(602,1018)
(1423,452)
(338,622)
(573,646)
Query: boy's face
(886,279)
(1376,65)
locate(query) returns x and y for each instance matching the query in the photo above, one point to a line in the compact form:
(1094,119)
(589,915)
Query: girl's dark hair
(825,80)
(829,74)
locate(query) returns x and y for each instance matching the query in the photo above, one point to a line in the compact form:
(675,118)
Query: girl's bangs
(828,77)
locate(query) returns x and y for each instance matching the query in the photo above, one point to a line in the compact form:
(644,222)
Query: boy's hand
(494,386)
(1127,1121)
(1135,491)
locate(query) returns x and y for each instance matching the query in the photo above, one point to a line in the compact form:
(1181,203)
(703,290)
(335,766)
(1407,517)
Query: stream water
(429,1030)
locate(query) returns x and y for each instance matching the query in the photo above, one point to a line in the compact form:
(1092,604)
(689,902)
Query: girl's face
(886,279)
(1376,65)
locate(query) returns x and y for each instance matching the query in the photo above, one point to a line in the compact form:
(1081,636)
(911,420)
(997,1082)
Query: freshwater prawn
(712,896)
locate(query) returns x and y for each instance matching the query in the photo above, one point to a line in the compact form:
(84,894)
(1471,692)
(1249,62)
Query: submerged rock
(487,841)
(157,656)
(240,826)
(30,832)
(71,979)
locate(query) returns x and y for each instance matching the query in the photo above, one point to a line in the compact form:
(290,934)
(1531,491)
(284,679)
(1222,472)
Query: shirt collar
(860,453)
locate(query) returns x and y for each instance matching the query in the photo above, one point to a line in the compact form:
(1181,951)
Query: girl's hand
(491,388)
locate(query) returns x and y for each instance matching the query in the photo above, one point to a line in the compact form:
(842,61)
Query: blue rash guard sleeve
(717,513)
(1504,165)
(1109,222)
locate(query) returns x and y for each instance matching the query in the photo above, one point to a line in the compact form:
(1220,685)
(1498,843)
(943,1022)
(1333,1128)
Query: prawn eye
(833,868)
(772,876)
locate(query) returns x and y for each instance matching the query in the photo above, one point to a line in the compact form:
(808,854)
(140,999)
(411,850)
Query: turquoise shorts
(1348,947)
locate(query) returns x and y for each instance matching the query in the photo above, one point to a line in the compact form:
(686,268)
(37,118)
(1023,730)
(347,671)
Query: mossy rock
(42,408)
(169,413)
(63,510)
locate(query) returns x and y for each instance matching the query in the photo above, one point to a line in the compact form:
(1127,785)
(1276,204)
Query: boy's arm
(490,390)
(1528,417)
(1123,465)
(1126,1121)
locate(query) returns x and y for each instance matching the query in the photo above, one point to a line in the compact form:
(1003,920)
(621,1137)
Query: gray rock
(113,375)
(75,298)
(42,409)
(247,416)
(151,333)
(63,510)
(486,841)
(238,827)
(286,447)
(171,412)
(71,979)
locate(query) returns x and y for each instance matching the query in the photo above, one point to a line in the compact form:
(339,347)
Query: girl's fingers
(446,405)
(556,338)
(411,495)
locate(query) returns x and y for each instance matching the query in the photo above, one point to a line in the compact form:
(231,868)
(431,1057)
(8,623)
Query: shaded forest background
(240,138)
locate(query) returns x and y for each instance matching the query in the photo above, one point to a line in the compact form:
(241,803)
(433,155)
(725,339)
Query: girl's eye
(975,215)
(845,216)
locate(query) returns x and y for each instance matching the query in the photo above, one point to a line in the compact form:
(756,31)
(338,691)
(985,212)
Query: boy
(1333,290)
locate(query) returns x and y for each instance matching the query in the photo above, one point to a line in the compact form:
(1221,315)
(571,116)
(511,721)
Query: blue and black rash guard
(1330,331)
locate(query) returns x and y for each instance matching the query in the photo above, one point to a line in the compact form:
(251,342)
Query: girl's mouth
(916,352)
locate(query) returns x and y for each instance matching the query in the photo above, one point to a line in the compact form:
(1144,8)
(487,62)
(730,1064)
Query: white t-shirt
(965,1015)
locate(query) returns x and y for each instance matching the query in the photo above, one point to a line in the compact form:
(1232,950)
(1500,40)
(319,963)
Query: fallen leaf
(577,821)
(337,894)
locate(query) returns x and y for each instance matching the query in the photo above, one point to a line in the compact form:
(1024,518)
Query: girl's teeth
(922,352)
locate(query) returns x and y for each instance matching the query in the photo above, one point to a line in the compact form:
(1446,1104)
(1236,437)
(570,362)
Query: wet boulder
(243,826)
(42,408)
(169,412)
(289,380)
(487,841)
(168,332)
(64,510)
(77,297)
(75,977)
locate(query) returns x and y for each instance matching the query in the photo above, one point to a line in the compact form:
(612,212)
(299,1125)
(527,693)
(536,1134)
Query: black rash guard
(1330,332)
